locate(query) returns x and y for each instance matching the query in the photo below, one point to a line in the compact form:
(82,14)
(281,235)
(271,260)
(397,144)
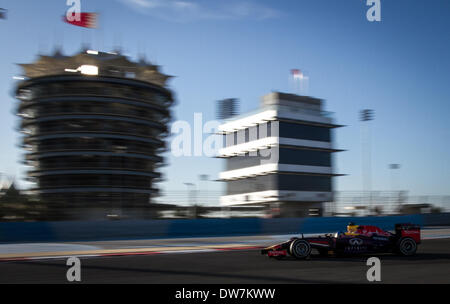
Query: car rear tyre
(300,249)
(406,246)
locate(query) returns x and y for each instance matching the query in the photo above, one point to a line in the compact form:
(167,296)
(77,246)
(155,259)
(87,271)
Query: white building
(280,155)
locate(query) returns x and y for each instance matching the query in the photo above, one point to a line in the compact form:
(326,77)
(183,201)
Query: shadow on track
(363,257)
(254,278)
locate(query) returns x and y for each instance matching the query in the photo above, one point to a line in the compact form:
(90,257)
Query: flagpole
(98,33)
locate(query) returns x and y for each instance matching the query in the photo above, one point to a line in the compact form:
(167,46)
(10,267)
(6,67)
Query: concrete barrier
(82,231)
(436,219)
(19,232)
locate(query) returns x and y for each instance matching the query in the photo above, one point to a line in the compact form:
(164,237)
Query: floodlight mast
(366,115)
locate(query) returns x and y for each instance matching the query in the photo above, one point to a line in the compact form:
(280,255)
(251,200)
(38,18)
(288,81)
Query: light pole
(204,178)
(366,115)
(192,196)
(393,186)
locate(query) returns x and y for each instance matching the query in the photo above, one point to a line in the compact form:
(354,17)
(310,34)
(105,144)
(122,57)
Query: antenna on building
(145,55)
(42,46)
(85,46)
(57,43)
(86,42)
(57,51)
(117,43)
(99,33)
(141,53)
(227,108)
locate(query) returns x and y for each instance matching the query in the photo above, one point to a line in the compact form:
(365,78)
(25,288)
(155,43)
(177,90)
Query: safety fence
(356,203)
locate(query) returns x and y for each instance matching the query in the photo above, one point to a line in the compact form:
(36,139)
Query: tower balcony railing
(101,129)
(64,110)
(106,184)
(126,165)
(93,119)
(298,109)
(93,147)
(149,97)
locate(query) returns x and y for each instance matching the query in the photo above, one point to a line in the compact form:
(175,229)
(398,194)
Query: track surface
(430,265)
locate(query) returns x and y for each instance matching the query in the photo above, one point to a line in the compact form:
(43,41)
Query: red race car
(359,239)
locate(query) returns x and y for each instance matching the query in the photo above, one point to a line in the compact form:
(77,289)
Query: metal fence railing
(385,203)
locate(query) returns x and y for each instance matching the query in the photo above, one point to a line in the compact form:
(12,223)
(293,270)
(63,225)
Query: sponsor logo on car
(379,238)
(355,242)
(277,253)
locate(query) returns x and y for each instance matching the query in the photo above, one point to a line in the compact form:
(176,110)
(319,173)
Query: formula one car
(357,240)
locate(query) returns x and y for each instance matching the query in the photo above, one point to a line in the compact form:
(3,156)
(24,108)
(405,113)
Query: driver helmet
(352,227)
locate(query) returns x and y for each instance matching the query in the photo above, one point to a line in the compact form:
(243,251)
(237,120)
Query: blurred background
(93,109)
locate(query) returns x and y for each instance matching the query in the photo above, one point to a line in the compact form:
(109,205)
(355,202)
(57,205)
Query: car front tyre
(406,246)
(300,249)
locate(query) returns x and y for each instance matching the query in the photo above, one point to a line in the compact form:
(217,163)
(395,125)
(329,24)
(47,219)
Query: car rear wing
(408,230)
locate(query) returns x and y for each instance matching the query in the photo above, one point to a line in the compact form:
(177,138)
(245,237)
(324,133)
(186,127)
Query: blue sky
(244,49)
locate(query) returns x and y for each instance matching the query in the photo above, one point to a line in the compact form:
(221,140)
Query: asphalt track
(430,265)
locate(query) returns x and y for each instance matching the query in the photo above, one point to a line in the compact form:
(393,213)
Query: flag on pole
(299,81)
(297,74)
(88,20)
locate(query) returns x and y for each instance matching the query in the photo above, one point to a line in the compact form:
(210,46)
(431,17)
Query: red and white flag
(299,82)
(297,74)
(88,20)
